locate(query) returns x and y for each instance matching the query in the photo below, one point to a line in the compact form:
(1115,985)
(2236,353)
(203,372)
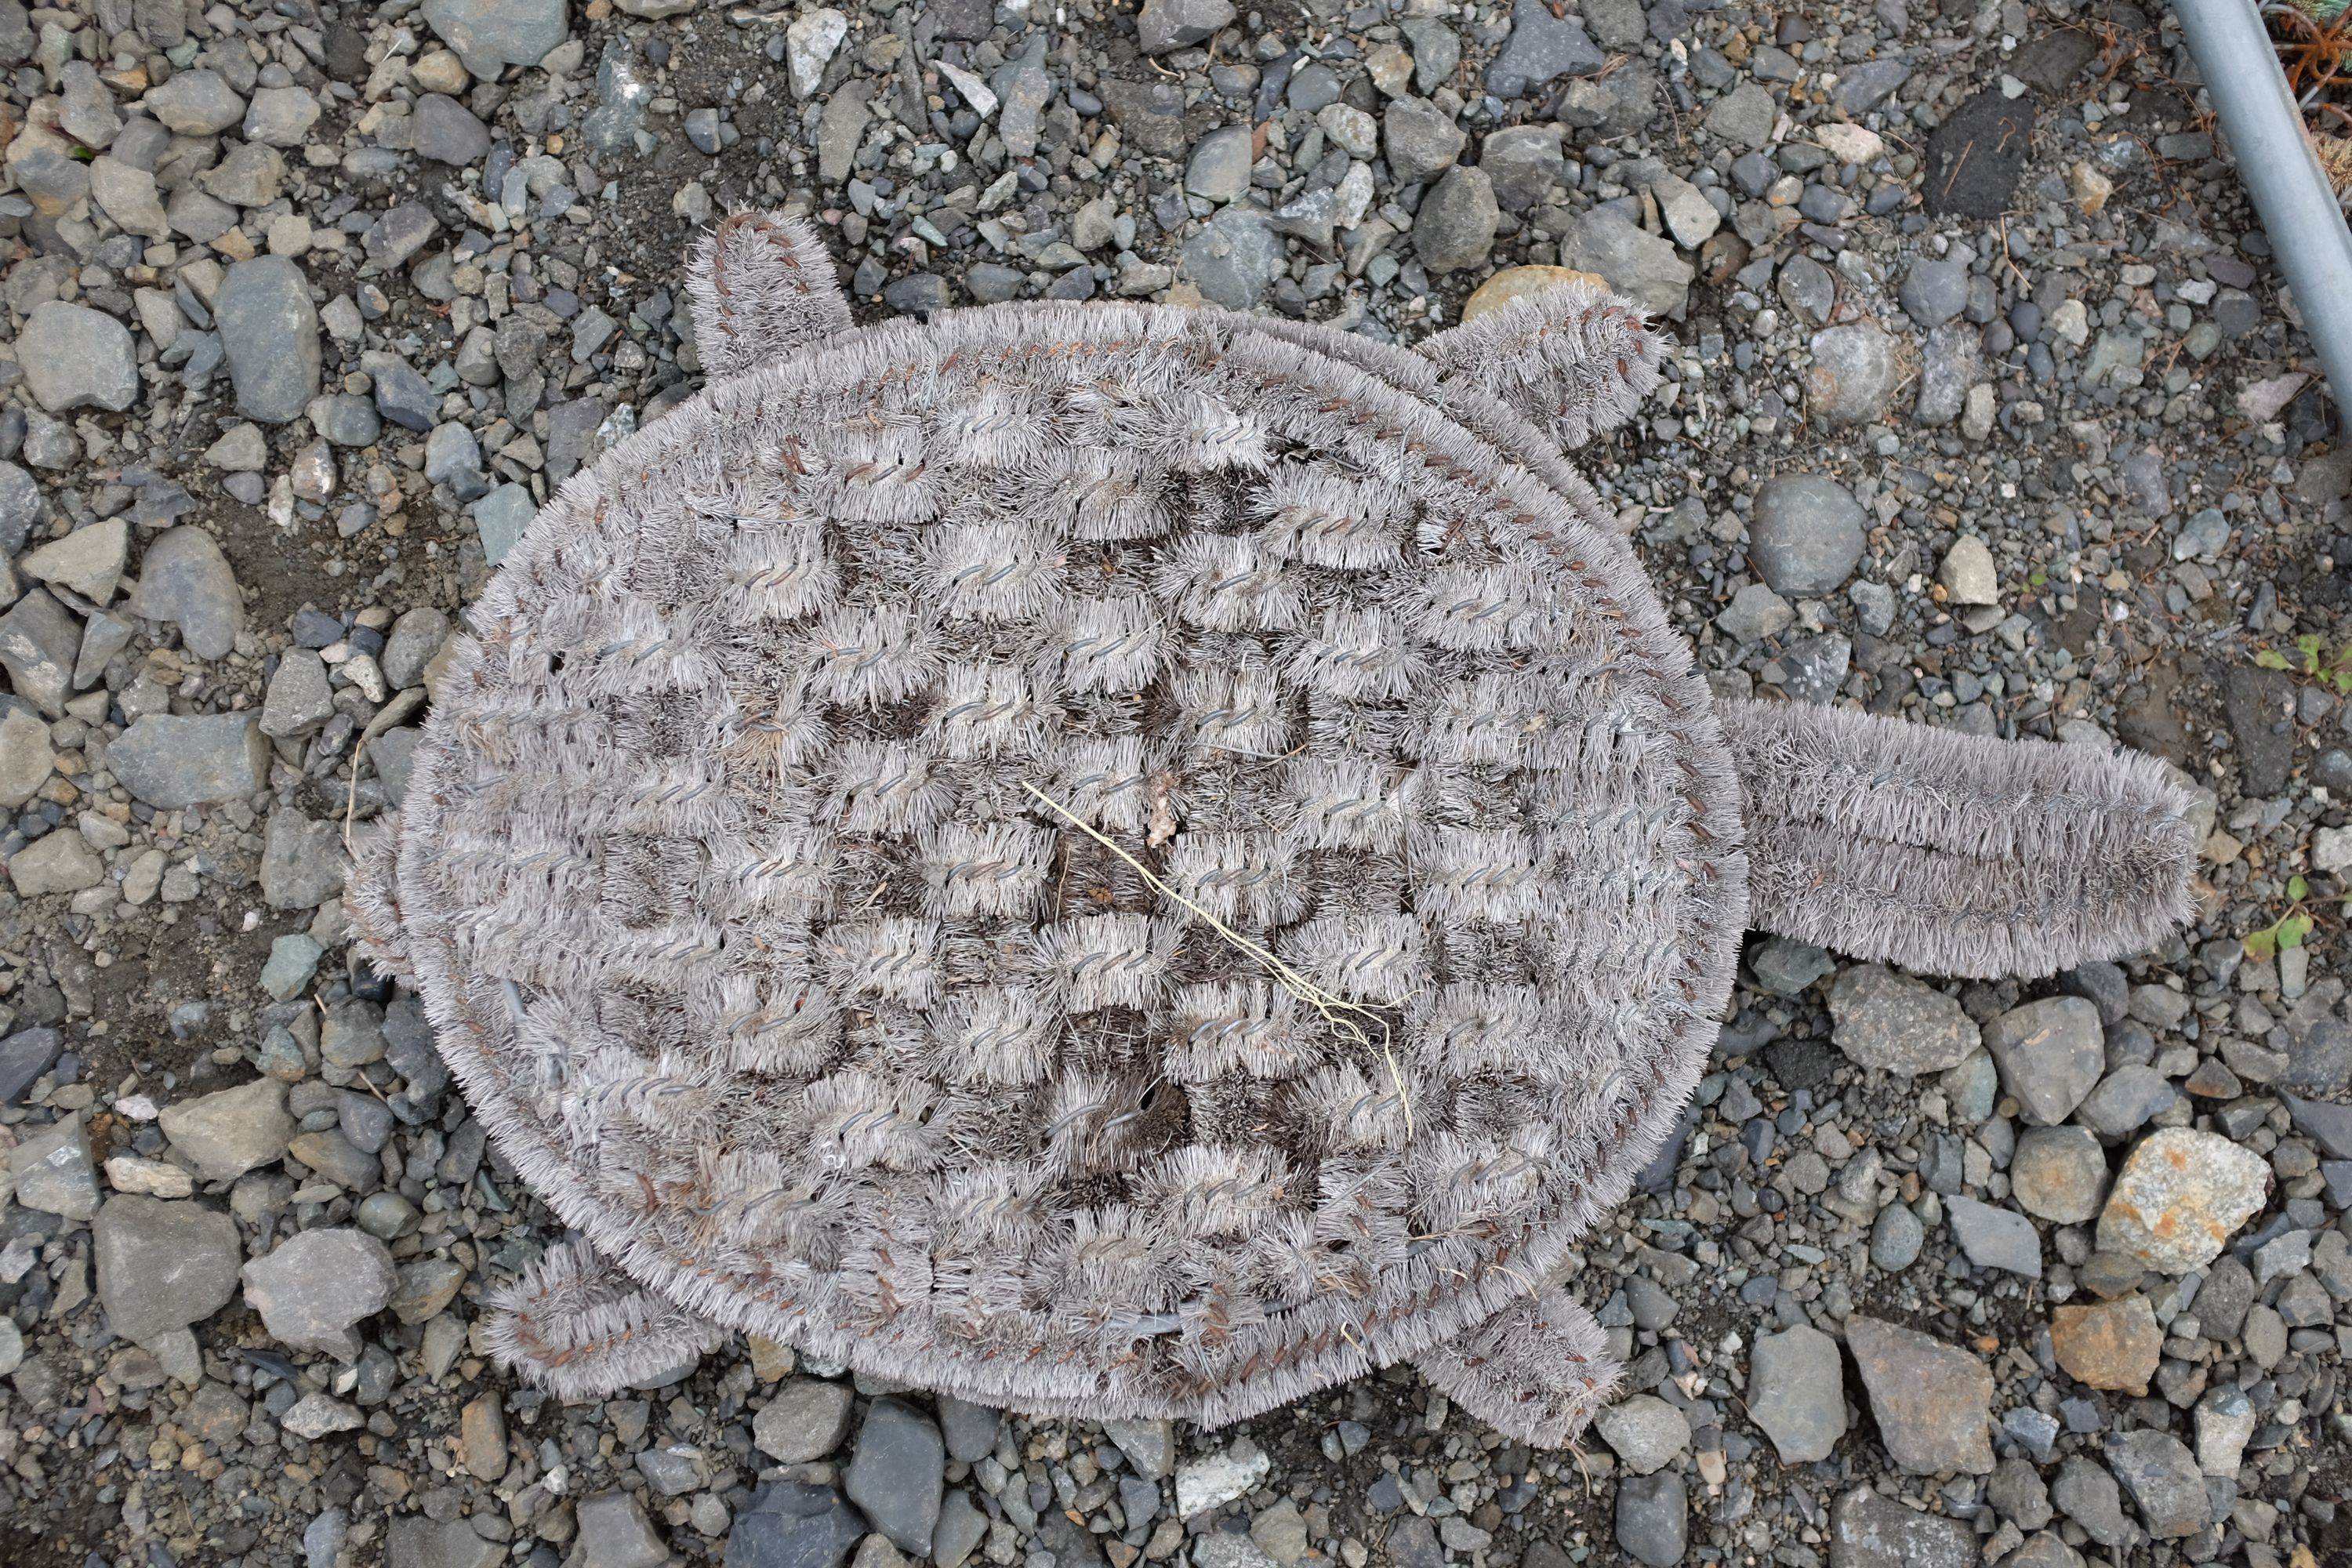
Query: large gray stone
(1856,368)
(895,1473)
(313,1287)
(51,1170)
(804,1421)
(1455,226)
(489,34)
(184,579)
(1867,1530)
(1645,1432)
(195,103)
(1883,1019)
(171,760)
(793,1524)
(39,643)
(1796,1392)
(412,1540)
(616,1533)
(1639,265)
(237,1130)
(1235,258)
(2050,1054)
(75,357)
(161,1266)
(269,331)
(1806,534)
(1654,1519)
(303,862)
(1994,1237)
(1541,48)
(1164,25)
(1933,1401)
(2162,1476)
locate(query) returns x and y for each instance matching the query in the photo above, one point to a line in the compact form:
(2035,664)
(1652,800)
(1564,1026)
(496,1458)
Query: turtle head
(1956,854)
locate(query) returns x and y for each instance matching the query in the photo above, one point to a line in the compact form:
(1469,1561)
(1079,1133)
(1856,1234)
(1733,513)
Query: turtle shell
(1106,859)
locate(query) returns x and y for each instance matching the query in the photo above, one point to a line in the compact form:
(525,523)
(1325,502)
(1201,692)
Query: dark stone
(1654,1519)
(25,1055)
(788,1524)
(2259,706)
(2050,62)
(2319,1059)
(1541,47)
(895,1473)
(1867,1530)
(1413,1545)
(916,294)
(1974,157)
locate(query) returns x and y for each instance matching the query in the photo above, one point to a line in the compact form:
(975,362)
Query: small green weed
(2288,931)
(2335,674)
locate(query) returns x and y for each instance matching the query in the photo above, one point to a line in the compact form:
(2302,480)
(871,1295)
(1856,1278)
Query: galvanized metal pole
(2299,208)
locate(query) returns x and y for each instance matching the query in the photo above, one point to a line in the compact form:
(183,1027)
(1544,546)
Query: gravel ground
(1989,413)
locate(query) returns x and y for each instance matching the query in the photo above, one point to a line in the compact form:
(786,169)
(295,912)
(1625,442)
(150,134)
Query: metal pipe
(2299,208)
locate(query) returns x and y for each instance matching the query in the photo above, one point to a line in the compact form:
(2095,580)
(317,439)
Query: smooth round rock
(1806,534)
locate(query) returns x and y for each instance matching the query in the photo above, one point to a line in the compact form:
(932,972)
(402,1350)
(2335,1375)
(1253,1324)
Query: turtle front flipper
(577,1326)
(1955,853)
(1573,359)
(763,286)
(1537,1370)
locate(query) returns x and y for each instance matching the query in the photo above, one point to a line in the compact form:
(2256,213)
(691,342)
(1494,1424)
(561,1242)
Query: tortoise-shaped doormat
(1132,861)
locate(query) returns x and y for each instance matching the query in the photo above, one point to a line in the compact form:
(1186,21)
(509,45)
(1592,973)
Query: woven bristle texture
(762,286)
(1954,854)
(1574,361)
(579,1328)
(1094,858)
(1103,860)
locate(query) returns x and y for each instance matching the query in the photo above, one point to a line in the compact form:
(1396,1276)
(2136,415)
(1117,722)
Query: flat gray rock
(2050,1054)
(2161,1475)
(804,1421)
(270,330)
(1639,265)
(232,1131)
(195,103)
(1889,1021)
(488,34)
(184,579)
(171,760)
(1995,1237)
(75,357)
(1796,1392)
(1806,534)
(1867,1530)
(313,1287)
(2059,1173)
(51,1169)
(1645,1432)
(1933,1401)
(894,1473)
(163,1265)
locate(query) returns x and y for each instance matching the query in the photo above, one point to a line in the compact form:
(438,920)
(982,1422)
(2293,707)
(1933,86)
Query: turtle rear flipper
(1955,853)
(1537,1370)
(577,1326)
(763,286)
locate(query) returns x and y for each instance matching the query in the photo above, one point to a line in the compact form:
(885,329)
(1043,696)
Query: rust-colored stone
(2109,1344)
